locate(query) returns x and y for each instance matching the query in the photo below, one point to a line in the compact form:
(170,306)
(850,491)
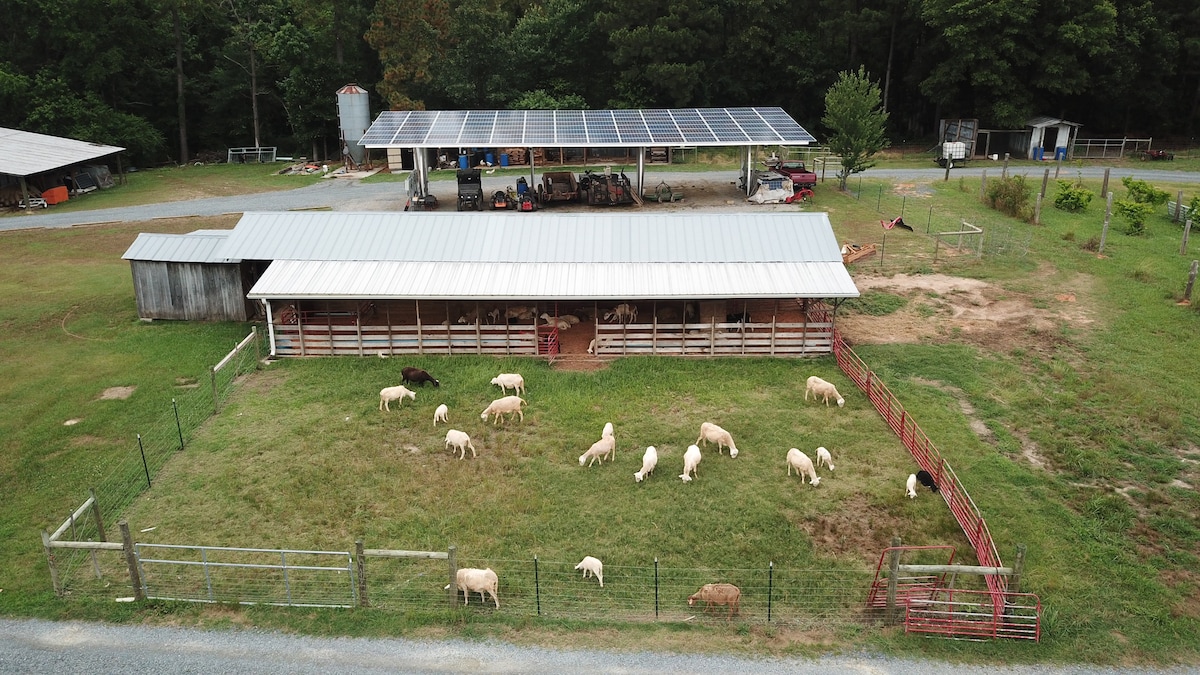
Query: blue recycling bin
(503,159)
(463,163)
(1060,153)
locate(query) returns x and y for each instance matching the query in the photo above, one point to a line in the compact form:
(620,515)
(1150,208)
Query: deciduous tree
(855,118)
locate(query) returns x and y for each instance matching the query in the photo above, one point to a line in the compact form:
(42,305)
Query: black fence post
(144,465)
(879,201)
(770,588)
(537,586)
(178,427)
(656,587)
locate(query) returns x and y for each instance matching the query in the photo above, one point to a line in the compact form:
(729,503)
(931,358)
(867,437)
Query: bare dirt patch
(117,393)
(859,529)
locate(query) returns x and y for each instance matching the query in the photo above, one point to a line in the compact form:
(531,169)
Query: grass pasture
(1077,435)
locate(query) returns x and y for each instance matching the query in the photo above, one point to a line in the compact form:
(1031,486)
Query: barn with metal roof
(399,283)
(24,156)
(181,276)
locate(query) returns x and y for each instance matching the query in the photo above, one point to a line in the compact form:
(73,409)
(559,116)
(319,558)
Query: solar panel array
(585,128)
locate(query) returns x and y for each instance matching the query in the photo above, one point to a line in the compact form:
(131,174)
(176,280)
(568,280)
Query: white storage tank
(354,117)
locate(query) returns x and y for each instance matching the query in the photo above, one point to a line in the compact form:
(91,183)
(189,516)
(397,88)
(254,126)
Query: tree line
(171,79)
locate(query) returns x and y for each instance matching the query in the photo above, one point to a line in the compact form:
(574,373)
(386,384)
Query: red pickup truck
(800,175)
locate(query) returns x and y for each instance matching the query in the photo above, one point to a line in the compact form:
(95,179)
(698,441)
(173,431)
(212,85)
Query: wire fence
(131,472)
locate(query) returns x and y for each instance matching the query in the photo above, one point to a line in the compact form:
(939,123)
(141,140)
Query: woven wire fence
(130,472)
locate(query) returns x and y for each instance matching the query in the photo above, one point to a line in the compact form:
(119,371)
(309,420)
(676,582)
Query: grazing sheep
(508,404)
(471,580)
(606,446)
(717,594)
(649,461)
(691,460)
(823,456)
(819,387)
(593,566)
(910,487)
(389,394)
(418,376)
(803,465)
(714,433)
(926,479)
(622,313)
(439,415)
(458,440)
(508,381)
(608,430)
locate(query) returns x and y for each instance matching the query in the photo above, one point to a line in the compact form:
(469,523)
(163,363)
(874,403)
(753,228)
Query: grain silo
(354,116)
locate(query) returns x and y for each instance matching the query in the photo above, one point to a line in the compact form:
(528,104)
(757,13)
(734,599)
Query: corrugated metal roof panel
(194,247)
(289,279)
(521,238)
(24,153)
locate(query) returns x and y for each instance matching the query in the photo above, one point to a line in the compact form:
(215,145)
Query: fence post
(1014,582)
(893,572)
(1187,231)
(1187,292)
(1107,220)
(770,587)
(96,514)
(360,565)
(879,201)
(983,186)
(452,566)
(131,561)
(1104,187)
(1037,211)
(903,201)
(537,586)
(929,220)
(1004,171)
(655,587)
(1178,207)
(52,563)
(178,427)
(145,466)
(212,377)
(1045,180)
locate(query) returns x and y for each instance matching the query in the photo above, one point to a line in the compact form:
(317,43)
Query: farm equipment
(470,190)
(418,203)
(1158,155)
(953,153)
(663,194)
(558,186)
(501,201)
(606,189)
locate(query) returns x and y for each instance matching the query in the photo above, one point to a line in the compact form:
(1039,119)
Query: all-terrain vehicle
(470,190)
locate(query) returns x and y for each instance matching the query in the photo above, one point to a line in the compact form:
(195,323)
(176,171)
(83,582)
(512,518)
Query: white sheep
(824,456)
(519,312)
(508,381)
(622,313)
(558,322)
(602,342)
(691,460)
(649,461)
(608,430)
(819,387)
(471,580)
(803,465)
(910,488)
(458,440)
(606,446)
(508,404)
(714,433)
(440,414)
(593,566)
(389,394)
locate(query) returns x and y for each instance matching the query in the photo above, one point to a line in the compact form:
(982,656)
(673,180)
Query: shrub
(1071,197)
(1011,196)
(1144,193)
(1135,214)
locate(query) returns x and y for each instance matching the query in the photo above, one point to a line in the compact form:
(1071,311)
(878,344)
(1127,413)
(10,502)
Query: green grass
(1108,403)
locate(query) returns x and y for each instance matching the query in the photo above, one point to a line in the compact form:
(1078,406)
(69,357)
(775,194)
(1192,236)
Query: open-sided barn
(399,283)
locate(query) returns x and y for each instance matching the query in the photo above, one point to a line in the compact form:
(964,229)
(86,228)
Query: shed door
(1050,139)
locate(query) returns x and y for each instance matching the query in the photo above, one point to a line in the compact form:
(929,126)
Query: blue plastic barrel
(504,159)
(1060,152)
(1039,154)
(490,158)
(463,163)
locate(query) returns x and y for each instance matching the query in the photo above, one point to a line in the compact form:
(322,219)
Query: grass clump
(876,303)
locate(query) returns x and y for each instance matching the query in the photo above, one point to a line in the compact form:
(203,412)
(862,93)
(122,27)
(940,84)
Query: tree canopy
(173,77)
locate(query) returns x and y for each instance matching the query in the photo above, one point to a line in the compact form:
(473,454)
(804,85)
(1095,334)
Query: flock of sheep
(485,581)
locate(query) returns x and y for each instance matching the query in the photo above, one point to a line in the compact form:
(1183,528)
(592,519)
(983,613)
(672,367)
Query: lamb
(714,433)
(649,461)
(440,414)
(606,446)
(608,430)
(508,381)
(622,313)
(594,343)
(593,566)
(418,376)
(473,316)
(471,580)
(389,394)
(508,404)
(559,323)
(803,465)
(819,387)
(823,456)
(926,479)
(519,312)
(458,440)
(691,460)
(717,594)
(910,487)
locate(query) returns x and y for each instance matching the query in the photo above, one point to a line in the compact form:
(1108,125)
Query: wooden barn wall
(189,291)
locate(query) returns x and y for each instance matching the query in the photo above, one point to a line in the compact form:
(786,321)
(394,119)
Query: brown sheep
(717,594)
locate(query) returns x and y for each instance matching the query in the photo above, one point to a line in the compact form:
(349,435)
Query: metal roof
(24,153)
(534,238)
(1044,121)
(375,280)
(197,247)
(585,128)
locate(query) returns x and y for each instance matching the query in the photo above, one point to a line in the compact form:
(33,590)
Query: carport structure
(425,130)
(24,154)
(402,283)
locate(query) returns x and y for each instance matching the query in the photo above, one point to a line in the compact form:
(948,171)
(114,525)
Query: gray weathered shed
(180,276)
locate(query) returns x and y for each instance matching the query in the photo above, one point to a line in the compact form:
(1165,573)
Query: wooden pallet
(855,252)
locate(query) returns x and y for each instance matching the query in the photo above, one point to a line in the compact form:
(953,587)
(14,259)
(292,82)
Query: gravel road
(347,194)
(33,646)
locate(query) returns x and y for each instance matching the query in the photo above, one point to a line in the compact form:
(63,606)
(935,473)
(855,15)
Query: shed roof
(1044,121)
(197,247)
(24,153)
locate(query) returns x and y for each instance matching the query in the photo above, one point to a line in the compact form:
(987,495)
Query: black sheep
(418,376)
(924,478)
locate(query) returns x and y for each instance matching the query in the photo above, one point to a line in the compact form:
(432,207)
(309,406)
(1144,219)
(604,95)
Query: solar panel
(585,128)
